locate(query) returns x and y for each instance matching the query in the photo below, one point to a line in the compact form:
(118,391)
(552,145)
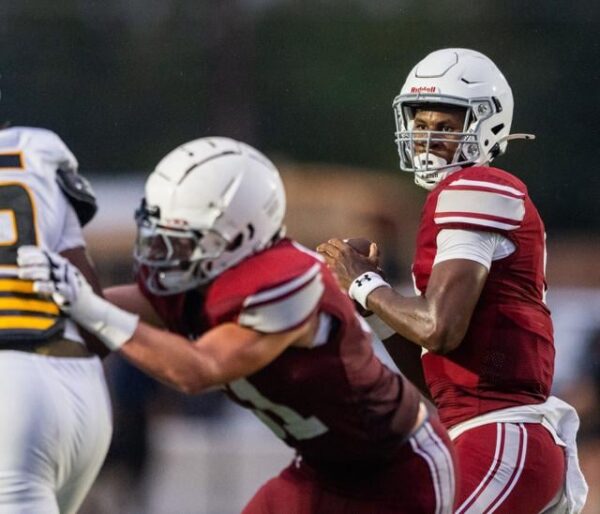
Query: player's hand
(54,276)
(346,262)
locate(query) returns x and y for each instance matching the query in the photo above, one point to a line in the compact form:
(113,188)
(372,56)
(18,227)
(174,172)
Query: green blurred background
(125,81)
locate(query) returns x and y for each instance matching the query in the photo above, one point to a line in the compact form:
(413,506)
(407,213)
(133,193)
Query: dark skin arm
(438,320)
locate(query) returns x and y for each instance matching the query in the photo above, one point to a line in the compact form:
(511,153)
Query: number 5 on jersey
(24,316)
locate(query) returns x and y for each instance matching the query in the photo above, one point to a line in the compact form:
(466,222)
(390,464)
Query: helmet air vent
(497,128)
(497,104)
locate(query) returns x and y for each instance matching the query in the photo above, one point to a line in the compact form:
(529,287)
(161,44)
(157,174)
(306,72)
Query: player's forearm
(414,318)
(169,358)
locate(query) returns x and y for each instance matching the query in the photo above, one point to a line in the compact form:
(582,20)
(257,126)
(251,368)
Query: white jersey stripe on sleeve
(481,202)
(285,307)
(307,251)
(476,221)
(480,205)
(276,292)
(487,185)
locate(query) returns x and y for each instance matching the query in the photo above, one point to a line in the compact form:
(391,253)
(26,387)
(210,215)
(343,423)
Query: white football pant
(55,429)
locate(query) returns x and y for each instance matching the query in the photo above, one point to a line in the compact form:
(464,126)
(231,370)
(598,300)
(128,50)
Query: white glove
(54,276)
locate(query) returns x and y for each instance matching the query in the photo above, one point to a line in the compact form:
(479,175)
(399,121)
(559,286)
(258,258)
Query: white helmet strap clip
(514,137)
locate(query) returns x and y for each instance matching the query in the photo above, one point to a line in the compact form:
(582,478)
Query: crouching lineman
(54,404)
(261,316)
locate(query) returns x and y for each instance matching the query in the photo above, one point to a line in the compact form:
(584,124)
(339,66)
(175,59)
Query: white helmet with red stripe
(460,78)
(209,204)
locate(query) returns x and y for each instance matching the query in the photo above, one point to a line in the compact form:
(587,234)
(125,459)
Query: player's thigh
(297,491)
(29,435)
(88,428)
(419,481)
(306,496)
(507,468)
(424,480)
(285,491)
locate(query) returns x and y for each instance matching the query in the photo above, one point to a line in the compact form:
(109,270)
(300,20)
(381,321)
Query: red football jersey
(335,402)
(507,355)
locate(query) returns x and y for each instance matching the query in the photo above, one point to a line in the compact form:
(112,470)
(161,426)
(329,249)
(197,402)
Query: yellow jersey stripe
(23,304)
(16,286)
(25,323)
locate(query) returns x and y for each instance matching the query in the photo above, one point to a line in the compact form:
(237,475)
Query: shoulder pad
(79,192)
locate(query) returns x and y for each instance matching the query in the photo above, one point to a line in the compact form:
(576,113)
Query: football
(360,244)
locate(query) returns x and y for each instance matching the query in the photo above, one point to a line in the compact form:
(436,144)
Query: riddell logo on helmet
(423,89)
(176,223)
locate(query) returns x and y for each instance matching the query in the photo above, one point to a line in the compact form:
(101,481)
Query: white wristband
(112,325)
(363,285)
(379,327)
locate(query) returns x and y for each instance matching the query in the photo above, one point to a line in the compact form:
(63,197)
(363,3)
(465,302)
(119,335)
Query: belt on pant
(53,348)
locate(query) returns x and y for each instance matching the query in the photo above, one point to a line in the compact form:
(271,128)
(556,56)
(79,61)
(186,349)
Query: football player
(54,403)
(480,316)
(257,314)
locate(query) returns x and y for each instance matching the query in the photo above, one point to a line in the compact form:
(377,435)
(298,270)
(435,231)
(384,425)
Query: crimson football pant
(420,480)
(508,468)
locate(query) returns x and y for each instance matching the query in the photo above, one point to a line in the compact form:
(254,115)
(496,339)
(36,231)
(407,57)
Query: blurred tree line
(124,81)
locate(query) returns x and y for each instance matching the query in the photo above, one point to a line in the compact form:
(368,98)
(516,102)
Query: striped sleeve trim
(486,186)
(286,306)
(483,204)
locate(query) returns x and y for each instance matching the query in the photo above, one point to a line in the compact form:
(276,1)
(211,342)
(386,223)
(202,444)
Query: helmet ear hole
(236,243)
(239,239)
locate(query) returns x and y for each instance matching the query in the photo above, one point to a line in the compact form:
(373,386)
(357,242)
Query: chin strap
(429,178)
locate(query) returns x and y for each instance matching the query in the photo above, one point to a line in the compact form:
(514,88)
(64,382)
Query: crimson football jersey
(507,355)
(335,402)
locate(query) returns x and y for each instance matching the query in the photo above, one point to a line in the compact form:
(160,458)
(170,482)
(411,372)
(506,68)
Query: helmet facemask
(429,168)
(455,78)
(175,259)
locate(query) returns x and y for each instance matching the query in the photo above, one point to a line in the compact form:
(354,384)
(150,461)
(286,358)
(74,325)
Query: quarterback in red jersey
(253,312)
(480,317)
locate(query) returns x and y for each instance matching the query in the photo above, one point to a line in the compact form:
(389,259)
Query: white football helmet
(208,204)
(454,77)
